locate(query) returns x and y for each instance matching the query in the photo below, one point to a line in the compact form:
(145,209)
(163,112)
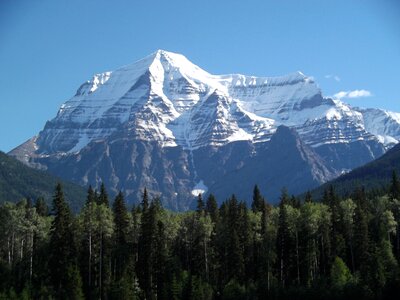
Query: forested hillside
(375,175)
(19,181)
(334,249)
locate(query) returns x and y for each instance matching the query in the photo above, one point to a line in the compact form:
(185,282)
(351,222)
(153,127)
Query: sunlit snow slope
(166,100)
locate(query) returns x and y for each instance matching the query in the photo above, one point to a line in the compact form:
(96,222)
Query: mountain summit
(161,121)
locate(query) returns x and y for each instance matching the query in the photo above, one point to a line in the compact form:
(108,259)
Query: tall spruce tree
(103,196)
(121,246)
(212,208)
(146,263)
(258,201)
(235,259)
(361,234)
(308,197)
(63,251)
(91,195)
(200,204)
(395,186)
(104,218)
(283,240)
(41,207)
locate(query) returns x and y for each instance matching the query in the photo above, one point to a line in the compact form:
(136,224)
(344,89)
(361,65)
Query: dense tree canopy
(330,249)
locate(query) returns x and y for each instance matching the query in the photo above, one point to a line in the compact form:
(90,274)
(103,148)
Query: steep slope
(176,174)
(382,123)
(18,181)
(155,99)
(149,124)
(376,174)
(286,161)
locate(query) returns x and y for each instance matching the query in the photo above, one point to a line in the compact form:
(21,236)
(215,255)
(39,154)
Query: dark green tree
(283,241)
(212,208)
(121,249)
(103,196)
(361,234)
(41,207)
(308,197)
(395,186)
(63,251)
(258,200)
(91,195)
(147,247)
(200,204)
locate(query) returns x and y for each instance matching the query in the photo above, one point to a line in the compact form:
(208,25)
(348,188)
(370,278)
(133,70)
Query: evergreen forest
(329,248)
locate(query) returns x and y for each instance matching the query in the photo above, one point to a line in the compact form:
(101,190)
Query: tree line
(334,248)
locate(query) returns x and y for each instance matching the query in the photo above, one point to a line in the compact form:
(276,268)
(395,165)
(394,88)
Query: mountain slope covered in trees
(374,175)
(19,181)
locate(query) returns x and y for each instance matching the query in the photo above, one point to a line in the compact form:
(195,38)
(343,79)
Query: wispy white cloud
(334,77)
(353,94)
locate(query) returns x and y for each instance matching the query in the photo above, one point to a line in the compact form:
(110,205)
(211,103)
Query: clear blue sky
(48,48)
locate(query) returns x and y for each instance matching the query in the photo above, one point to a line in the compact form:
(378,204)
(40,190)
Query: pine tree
(105,221)
(91,195)
(347,208)
(212,208)
(200,205)
(121,247)
(283,240)
(145,201)
(395,186)
(145,268)
(258,200)
(308,197)
(337,240)
(160,262)
(266,253)
(103,196)
(74,283)
(235,259)
(89,225)
(41,207)
(361,234)
(62,245)
(213,213)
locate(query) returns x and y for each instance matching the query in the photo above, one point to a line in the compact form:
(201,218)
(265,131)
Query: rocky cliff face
(164,123)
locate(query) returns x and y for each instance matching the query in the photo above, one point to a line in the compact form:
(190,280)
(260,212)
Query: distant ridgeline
(373,177)
(334,249)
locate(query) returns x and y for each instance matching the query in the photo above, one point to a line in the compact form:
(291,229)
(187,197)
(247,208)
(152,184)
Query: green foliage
(18,181)
(234,291)
(226,252)
(340,273)
(73,280)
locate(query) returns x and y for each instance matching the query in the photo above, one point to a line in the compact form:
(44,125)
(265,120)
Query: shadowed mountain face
(173,172)
(166,124)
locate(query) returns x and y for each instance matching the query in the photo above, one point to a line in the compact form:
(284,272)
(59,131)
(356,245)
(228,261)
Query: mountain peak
(168,110)
(162,56)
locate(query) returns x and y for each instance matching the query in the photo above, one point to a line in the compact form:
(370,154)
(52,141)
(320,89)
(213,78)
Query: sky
(48,48)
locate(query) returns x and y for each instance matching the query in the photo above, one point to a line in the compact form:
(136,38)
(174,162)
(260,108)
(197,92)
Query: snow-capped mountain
(179,109)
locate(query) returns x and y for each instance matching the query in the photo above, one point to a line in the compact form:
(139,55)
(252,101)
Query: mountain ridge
(165,99)
(376,174)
